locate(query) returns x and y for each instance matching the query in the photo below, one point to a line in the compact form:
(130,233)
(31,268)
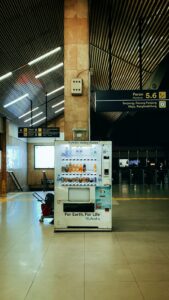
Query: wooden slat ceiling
(124,42)
(30,28)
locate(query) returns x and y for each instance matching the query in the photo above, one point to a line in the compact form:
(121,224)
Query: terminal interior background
(140,143)
(114,64)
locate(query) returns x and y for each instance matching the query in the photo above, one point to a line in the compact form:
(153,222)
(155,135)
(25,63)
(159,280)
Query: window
(44,157)
(124,162)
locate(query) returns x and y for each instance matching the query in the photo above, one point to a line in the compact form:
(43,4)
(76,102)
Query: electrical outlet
(76,86)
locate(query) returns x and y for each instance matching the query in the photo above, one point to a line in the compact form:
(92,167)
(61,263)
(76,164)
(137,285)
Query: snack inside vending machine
(83,186)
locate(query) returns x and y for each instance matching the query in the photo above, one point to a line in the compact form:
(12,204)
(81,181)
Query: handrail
(38,197)
(15,180)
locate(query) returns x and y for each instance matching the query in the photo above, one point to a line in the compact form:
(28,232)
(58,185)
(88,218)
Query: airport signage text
(30,132)
(129,100)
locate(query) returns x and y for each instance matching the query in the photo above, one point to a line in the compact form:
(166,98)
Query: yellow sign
(25,131)
(162,95)
(39,131)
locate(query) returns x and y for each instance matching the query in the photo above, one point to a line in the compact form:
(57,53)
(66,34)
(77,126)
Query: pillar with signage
(83,190)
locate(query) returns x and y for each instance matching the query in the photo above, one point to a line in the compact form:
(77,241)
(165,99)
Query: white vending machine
(83,186)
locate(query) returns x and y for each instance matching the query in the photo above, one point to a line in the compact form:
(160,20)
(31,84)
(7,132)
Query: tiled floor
(129,263)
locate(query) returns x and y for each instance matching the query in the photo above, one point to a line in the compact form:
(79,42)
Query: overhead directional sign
(30,132)
(131,100)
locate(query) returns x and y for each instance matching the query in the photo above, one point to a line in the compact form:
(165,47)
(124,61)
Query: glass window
(44,157)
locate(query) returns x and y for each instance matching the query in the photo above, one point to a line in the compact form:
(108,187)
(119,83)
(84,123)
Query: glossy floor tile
(129,263)
(109,290)
(155,290)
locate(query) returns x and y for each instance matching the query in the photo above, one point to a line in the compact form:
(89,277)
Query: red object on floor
(46,210)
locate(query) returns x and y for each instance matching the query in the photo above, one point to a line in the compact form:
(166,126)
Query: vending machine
(83,186)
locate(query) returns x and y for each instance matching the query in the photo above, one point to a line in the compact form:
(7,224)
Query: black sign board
(31,132)
(129,100)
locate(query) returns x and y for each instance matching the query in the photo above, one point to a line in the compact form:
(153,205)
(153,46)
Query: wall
(1,130)
(35,175)
(1,125)
(20,155)
(16,150)
(59,122)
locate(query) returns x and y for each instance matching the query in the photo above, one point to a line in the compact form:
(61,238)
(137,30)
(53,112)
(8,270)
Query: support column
(3,182)
(76,65)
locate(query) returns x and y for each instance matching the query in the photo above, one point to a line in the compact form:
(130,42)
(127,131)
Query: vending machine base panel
(82,229)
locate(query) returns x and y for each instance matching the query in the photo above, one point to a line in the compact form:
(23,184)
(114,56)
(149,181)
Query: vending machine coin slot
(106,171)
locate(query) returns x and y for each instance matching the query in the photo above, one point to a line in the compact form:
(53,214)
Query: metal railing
(15,180)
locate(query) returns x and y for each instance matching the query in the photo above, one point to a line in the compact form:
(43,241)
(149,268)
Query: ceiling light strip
(35,116)
(59,110)
(5,76)
(39,121)
(49,70)
(54,91)
(16,100)
(44,56)
(57,104)
(28,113)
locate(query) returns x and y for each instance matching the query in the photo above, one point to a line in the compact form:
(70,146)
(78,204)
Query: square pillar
(76,65)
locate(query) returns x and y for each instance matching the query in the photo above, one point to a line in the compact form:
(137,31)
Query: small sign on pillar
(76,86)
(79,134)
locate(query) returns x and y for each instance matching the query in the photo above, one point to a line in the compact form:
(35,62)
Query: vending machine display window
(76,195)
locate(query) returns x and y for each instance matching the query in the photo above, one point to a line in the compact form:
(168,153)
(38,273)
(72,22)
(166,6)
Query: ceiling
(31,28)
(121,19)
(118,30)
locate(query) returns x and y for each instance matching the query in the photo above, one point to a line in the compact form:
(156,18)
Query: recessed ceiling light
(59,110)
(44,56)
(49,70)
(54,91)
(5,76)
(16,100)
(27,113)
(57,104)
(35,116)
(39,121)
